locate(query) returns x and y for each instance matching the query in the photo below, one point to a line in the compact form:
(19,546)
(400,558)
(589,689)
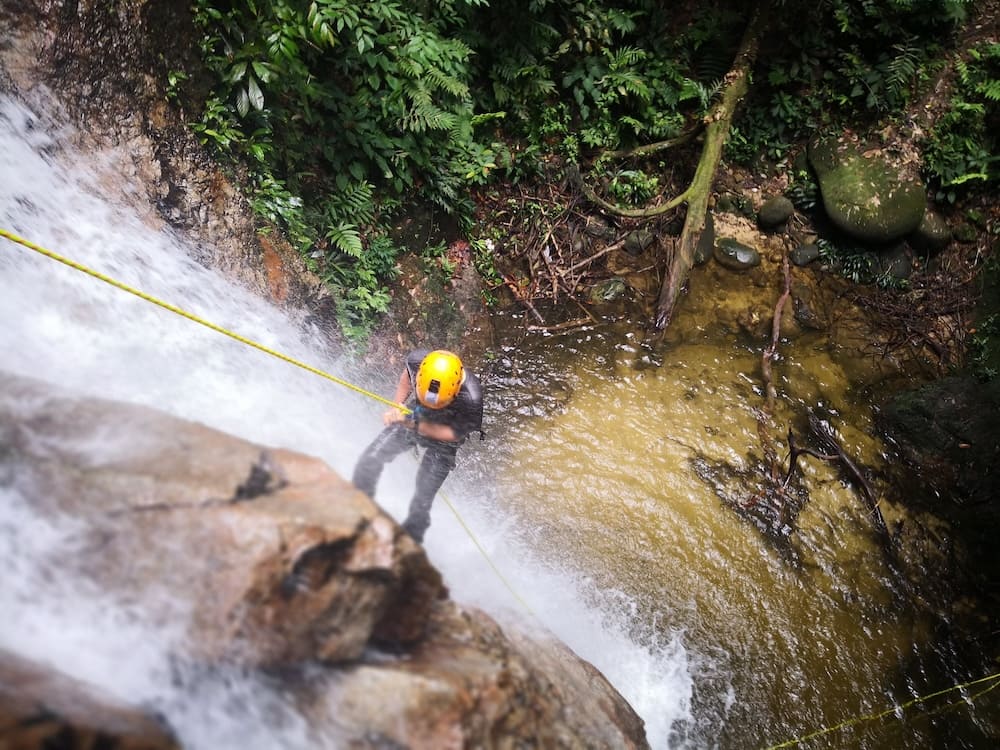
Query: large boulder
(949,430)
(269,559)
(303,565)
(42,708)
(865,195)
(515,690)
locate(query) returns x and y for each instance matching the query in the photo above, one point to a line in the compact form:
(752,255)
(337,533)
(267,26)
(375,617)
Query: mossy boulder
(774,212)
(864,194)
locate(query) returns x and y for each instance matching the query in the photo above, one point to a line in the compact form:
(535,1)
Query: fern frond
(625,57)
(353,204)
(903,67)
(991,89)
(346,238)
(628,83)
(713,61)
(444,82)
(424,115)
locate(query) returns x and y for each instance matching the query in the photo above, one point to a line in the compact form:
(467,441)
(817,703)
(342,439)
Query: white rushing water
(63,326)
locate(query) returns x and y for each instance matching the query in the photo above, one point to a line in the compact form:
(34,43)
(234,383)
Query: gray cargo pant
(437,463)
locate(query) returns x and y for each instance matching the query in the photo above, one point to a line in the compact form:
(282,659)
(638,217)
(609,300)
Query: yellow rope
(881,714)
(488,559)
(184,314)
(267,350)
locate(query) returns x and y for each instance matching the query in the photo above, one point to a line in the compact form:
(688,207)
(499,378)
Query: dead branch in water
(777,488)
(828,439)
(577,323)
(766,414)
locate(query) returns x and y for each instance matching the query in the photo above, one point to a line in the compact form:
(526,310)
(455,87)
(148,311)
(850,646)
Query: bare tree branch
(719,123)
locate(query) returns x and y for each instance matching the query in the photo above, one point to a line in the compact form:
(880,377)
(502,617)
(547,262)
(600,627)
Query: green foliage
(803,190)
(633,187)
(984,349)
(336,107)
(963,149)
(858,264)
(984,343)
(581,75)
(436,263)
(357,283)
(852,262)
(272,200)
(484,261)
(338,110)
(219,128)
(175,79)
(868,68)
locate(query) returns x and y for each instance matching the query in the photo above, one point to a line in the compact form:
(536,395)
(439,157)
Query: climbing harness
(261,347)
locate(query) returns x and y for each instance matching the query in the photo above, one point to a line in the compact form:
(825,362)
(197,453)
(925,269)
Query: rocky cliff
(269,560)
(262,558)
(105,66)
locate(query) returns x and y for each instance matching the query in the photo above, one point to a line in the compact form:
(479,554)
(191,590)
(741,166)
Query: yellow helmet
(439,378)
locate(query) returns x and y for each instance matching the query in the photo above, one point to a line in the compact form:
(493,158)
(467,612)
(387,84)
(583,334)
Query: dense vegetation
(340,111)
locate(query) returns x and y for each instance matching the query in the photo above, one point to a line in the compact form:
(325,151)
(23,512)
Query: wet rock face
(108,63)
(108,59)
(304,566)
(266,558)
(41,709)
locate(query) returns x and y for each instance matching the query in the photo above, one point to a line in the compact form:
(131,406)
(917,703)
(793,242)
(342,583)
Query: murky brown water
(788,632)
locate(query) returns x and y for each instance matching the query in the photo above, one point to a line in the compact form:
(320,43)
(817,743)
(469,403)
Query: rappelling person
(442,404)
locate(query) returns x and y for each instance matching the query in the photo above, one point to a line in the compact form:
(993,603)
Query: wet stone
(775,211)
(734,255)
(803,255)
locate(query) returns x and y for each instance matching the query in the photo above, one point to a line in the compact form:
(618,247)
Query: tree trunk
(719,122)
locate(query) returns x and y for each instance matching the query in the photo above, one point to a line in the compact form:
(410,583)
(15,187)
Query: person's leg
(392,441)
(438,461)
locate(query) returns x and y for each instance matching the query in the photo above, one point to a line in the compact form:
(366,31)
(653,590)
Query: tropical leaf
(346,238)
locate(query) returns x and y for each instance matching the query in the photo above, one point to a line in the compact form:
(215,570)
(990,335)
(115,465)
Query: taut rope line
(881,714)
(256,345)
(190,316)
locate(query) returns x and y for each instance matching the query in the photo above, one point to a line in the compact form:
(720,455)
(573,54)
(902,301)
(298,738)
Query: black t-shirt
(465,413)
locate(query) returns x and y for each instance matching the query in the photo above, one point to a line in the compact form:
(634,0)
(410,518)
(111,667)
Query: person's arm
(437,431)
(402,393)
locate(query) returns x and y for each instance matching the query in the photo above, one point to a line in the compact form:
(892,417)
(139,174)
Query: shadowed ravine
(585,493)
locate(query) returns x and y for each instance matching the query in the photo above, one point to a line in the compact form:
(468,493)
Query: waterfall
(62,326)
